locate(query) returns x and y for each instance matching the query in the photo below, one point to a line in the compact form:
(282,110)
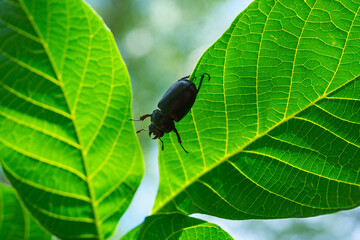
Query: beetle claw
(179,139)
(151,133)
(162,144)
(201,80)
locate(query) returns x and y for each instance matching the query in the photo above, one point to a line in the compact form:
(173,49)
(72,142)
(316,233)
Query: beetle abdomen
(178,100)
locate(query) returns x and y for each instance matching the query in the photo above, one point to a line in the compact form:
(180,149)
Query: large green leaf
(176,226)
(15,221)
(66,143)
(275,133)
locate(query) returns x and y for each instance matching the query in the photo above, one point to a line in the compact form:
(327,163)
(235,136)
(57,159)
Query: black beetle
(174,105)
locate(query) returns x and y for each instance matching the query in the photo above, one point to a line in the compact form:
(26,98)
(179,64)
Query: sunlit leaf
(275,133)
(15,221)
(66,143)
(176,227)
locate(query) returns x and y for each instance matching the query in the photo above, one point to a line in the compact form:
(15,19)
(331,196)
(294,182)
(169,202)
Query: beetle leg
(179,139)
(142,118)
(162,144)
(202,77)
(142,130)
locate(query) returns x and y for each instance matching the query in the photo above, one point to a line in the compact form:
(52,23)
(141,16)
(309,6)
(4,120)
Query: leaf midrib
(254,139)
(59,78)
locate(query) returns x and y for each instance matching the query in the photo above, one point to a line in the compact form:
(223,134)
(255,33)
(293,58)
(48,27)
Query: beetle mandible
(173,106)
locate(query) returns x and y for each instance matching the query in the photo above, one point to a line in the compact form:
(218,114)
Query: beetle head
(161,122)
(157,132)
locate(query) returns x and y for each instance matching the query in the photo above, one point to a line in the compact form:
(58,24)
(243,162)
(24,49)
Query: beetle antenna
(142,130)
(142,118)
(179,139)
(162,144)
(202,78)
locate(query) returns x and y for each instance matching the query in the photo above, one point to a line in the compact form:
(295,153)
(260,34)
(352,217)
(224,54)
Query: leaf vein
(298,168)
(43,160)
(43,188)
(61,217)
(257,68)
(41,130)
(116,186)
(343,50)
(293,65)
(335,116)
(30,68)
(316,124)
(19,31)
(106,107)
(35,102)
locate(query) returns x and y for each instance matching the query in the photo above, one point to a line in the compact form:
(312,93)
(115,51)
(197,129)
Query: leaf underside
(275,133)
(64,108)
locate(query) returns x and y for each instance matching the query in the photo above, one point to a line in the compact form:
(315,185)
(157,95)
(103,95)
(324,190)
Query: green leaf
(15,222)
(176,226)
(65,140)
(275,133)
(133,234)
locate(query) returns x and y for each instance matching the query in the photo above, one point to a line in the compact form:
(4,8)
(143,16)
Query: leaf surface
(15,221)
(275,133)
(66,143)
(176,227)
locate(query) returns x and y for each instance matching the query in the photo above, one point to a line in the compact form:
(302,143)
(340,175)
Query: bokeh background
(160,42)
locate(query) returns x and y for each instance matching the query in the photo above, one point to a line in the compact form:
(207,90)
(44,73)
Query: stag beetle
(174,105)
